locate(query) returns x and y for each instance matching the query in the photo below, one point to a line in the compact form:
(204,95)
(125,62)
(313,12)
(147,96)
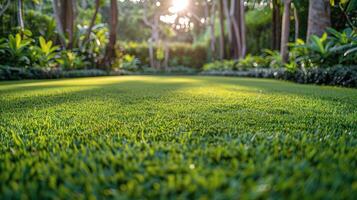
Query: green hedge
(180,54)
(338,76)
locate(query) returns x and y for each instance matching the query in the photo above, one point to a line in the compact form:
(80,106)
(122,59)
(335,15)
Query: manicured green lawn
(177,137)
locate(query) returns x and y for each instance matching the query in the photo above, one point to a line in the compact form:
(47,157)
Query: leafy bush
(70,60)
(249,62)
(83,73)
(338,75)
(17,73)
(129,63)
(180,54)
(253,62)
(15,51)
(179,70)
(273,59)
(45,54)
(41,24)
(221,65)
(91,49)
(333,48)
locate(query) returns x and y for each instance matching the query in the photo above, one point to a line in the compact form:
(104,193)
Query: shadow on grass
(129,92)
(334,94)
(123,93)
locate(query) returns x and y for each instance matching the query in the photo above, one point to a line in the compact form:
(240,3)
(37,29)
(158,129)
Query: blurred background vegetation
(132,36)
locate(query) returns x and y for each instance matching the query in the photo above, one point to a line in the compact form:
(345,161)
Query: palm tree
(276,23)
(64,15)
(285,31)
(20,14)
(319,17)
(222,47)
(113,24)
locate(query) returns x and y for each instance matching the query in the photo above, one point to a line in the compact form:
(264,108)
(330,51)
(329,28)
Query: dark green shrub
(83,73)
(41,25)
(338,75)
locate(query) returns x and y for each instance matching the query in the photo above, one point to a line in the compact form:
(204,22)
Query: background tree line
(110,34)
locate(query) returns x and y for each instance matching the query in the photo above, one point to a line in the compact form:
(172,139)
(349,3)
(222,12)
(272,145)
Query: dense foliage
(330,59)
(176,137)
(180,54)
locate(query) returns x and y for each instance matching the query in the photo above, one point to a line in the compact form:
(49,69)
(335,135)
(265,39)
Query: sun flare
(178,6)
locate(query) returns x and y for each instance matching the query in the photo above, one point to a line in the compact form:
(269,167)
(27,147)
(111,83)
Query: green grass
(148,137)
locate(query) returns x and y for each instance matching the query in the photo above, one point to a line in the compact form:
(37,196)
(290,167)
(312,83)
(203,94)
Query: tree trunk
(297,22)
(285,32)
(156,38)
(97,5)
(64,15)
(221,36)
(167,55)
(20,14)
(151,53)
(236,27)
(59,26)
(319,17)
(276,39)
(210,14)
(228,20)
(113,23)
(243,28)
(68,16)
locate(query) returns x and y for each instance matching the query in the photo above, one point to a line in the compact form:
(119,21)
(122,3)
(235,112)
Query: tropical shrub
(253,62)
(333,48)
(180,54)
(91,49)
(129,63)
(14,51)
(41,25)
(224,65)
(45,54)
(70,60)
(273,59)
(249,62)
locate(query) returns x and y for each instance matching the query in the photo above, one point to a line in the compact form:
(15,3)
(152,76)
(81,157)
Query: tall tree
(210,13)
(64,15)
(68,20)
(59,26)
(221,36)
(286,31)
(319,17)
(228,20)
(113,25)
(20,14)
(297,22)
(242,28)
(153,24)
(276,23)
(238,24)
